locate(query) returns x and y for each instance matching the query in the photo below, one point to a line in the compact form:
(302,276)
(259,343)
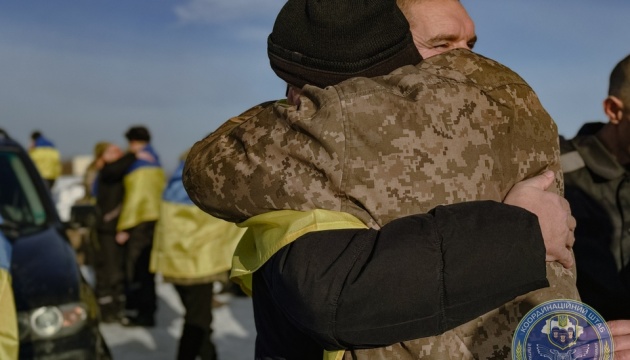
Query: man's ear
(613,108)
(293,95)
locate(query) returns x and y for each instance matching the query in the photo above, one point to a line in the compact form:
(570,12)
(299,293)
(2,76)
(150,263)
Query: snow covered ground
(233,324)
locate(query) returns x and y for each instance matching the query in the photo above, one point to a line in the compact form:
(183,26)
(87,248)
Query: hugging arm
(419,275)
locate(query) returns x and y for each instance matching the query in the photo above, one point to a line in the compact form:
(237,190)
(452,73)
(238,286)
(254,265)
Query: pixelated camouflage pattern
(457,127)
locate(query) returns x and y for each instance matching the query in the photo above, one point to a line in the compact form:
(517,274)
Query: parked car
(56,308)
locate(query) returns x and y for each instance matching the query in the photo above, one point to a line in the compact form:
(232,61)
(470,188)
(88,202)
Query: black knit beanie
(323,42)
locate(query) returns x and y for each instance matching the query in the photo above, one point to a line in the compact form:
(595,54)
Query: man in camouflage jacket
(458,127)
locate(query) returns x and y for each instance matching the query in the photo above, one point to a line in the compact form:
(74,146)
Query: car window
(20,204)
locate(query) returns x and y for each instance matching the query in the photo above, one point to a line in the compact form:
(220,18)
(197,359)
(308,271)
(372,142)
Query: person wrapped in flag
(144,182)
(192,250)
(46,157)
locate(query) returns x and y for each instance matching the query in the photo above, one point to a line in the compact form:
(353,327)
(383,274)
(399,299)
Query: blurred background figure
(46,158)
(191,250)
(90,175)
(144,183)
(596,165)
(111,165)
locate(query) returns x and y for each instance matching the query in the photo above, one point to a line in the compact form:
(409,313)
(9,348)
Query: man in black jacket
(112,165)
(109,191)
(596,164)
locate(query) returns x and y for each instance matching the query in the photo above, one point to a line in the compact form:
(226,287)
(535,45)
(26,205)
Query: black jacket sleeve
(418,276)
(115,171)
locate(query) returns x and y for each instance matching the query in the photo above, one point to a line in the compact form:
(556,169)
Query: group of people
(127,187)
(147,225)
(406,199)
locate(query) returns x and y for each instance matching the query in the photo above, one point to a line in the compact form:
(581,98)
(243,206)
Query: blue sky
(83,71)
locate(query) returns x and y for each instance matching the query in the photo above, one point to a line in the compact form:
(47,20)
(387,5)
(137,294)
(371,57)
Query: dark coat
(598,189)
(110,191)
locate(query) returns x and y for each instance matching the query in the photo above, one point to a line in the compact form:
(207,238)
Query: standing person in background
(191,249)
(596,166)
(9,343)
(143,182)
(111,165)
(46,158)
(85,239)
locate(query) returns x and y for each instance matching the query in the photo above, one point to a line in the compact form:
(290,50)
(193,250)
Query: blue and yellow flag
(46,158)
(190,244)
(144,183)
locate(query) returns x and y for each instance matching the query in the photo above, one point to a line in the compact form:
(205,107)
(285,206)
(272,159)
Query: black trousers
(195,340)
(140,282)
(110,277)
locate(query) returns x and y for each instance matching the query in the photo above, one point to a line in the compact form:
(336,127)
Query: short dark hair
(36,135)
(619,85)
(138,133)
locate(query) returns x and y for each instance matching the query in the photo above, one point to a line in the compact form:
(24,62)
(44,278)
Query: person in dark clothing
(112,165)
(109,191)
(596,166)
(141,298)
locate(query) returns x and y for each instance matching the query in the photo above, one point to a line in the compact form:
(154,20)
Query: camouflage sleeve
(211,165)
(273,157)
(346,287)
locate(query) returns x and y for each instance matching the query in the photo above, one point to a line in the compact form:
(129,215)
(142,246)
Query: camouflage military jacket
(457,127)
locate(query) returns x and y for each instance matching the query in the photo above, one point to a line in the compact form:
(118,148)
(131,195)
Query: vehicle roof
(6,140)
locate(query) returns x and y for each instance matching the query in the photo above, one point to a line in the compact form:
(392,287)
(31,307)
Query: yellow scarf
(267,233)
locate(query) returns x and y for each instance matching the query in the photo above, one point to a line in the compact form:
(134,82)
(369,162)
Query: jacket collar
(597,158)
